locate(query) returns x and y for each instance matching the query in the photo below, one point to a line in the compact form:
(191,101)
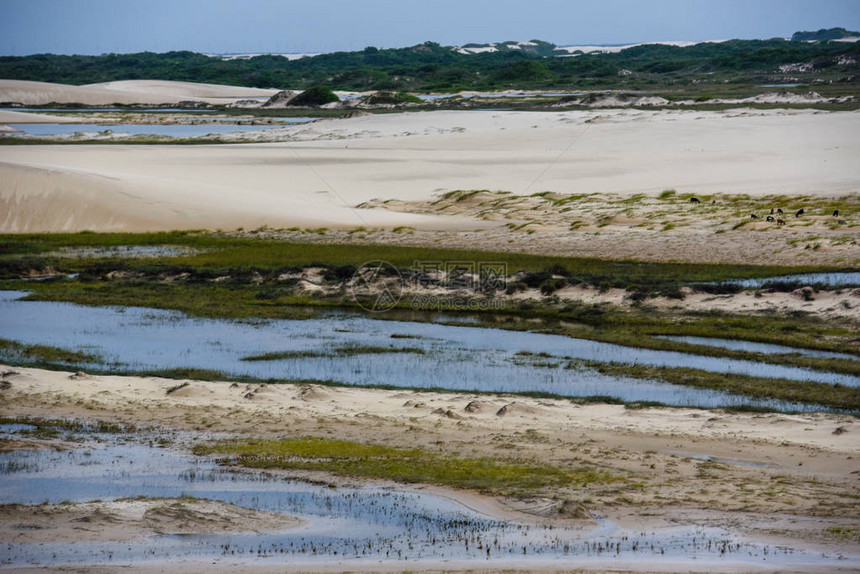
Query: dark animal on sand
(771,211)
(694,200)
(753,216)
(780,222)
(835,213)
(799,213)
(779,210)
(769,218)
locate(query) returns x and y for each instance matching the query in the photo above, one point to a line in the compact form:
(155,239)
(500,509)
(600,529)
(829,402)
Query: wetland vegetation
(216,276)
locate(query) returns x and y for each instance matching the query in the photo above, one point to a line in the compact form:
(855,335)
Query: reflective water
(346,525)
(433,355)
(844,279)
(753,347)
(172,130)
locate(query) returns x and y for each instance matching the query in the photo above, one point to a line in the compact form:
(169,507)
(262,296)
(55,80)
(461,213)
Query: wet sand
(779,478)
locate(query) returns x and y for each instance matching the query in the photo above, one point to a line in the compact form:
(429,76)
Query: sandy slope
(125,92)
(11,117)
(326,165)
(183,90)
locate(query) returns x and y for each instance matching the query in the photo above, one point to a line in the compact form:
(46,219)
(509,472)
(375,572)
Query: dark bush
(316,96)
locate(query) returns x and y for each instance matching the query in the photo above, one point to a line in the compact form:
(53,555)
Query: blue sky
(120,26)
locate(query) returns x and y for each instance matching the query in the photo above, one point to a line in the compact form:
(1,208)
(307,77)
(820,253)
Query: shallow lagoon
(346,525)
(171,130)
(448,357)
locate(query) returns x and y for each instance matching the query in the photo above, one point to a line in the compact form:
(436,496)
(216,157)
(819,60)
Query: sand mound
(517,409)
(311,393)
(125,92)
(125,520)
(182,90)
(193,391)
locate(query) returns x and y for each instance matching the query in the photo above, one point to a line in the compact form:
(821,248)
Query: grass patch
(22,353)
(344,351)
(354,459)
(834,396)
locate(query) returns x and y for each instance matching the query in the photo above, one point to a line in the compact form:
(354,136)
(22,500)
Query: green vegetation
(315,96)
(393,98)
(354,459)
(23,354)
(239,278)
(244,255)
(344,351)
(49,428)
(834,396)
(823,34)
(706,67)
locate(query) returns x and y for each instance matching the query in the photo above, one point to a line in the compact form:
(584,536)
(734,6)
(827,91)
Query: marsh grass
(834,396)
(216,252)
(46,426)
(342,351)
(22,353)
(361,460)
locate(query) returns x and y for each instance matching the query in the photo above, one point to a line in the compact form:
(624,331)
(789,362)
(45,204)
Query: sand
(324,167)
(775,478)
(132,519)
(12,117)
(123,92)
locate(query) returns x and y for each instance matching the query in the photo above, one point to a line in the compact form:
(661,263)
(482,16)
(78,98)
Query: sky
(312,26)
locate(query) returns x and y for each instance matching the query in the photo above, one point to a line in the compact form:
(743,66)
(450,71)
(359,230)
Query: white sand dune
(330,165)
(184,90)
(47,198)
(10,117)
(125,92)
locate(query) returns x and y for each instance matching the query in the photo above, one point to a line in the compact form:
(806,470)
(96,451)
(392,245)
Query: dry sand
(331,164)
(775,477)
(122,92)
(12,117)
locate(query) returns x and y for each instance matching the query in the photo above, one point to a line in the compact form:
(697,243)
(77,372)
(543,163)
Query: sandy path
(333,163)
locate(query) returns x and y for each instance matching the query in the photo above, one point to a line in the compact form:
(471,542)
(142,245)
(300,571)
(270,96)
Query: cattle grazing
(694,200)
(771,211)
(779,211)
(835,213)
(753,216)
(769,218)
(799,213)
(780,222)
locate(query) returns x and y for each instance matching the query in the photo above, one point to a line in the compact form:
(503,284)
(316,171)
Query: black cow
(799,213)
(694,200)
(753,216)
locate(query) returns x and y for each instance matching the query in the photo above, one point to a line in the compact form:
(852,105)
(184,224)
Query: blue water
(843,279)
(455,357)
(754,347)
(353,525)
(172,130)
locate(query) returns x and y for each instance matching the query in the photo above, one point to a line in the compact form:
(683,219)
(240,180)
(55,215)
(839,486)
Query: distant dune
(310,178)
(125,92)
